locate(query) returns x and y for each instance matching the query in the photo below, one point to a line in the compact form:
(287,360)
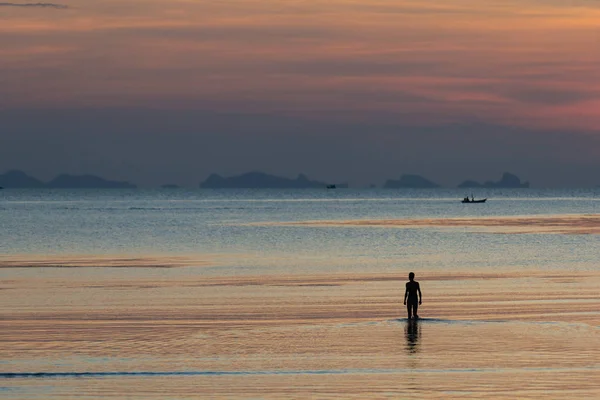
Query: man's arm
(419,290)
(406,294)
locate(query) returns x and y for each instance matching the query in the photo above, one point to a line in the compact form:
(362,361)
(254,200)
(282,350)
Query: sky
(159,92)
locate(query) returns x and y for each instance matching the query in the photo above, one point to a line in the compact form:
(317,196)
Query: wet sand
(104,261)
(559,224)
(165,333)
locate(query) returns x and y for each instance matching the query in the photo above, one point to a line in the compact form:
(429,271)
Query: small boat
(466,200)
(330,186)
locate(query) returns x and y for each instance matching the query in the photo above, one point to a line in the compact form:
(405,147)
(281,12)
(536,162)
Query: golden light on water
(563,224)
(494,334)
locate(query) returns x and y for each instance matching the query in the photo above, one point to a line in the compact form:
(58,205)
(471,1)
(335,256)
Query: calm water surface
(242,294)
(220,222)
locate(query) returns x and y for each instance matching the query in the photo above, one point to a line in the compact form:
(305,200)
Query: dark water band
(50,375)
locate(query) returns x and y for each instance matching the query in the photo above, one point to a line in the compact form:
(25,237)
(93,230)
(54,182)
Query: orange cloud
(532,63)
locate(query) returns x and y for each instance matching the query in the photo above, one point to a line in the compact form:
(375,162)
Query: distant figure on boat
(472,200)
(411,300)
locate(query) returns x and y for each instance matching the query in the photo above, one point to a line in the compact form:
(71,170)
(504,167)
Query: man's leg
(415,308)
(409,309)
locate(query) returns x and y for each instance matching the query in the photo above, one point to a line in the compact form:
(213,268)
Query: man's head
(411,276)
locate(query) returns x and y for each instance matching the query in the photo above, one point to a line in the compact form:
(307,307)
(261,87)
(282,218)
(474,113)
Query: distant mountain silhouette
(508,180)
(19,179)
(259,180)
(410,182)
(66,181)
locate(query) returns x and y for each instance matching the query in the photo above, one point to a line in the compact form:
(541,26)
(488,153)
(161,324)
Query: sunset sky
(170,91)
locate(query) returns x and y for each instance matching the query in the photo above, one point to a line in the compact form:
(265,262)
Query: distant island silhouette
(20,180)
(251,180)
(261,180)
(507,181)
(410,182)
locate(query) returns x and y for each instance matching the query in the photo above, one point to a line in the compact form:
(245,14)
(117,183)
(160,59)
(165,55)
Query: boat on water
(331,186)
(472,200)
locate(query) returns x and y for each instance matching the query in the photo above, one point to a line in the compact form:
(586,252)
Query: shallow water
(493,335)
(295,311)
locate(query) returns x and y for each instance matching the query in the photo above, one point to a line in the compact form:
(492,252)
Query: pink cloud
(528,63)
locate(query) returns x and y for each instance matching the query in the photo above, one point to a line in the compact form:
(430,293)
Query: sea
(295,294)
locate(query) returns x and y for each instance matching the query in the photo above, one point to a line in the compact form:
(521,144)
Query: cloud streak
(35,5)
(508,62)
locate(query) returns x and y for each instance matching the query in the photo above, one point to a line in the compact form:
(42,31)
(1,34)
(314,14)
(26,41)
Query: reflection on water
(275,312)
(564,224)
(412,335)
(141,333)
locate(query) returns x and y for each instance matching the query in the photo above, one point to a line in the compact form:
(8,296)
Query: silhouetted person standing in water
(410,296)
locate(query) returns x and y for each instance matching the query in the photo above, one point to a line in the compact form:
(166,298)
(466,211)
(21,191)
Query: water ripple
(42,375)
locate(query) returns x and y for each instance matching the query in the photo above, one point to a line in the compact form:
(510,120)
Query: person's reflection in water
(412,334)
